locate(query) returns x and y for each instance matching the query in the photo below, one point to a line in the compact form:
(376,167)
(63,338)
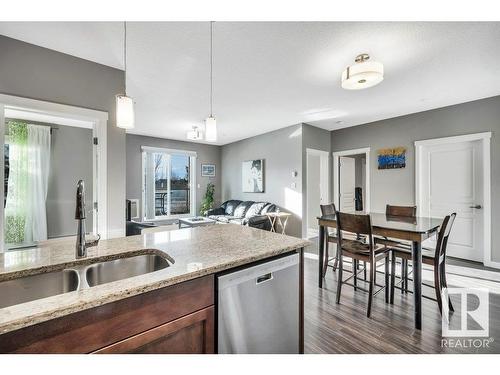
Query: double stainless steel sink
(30,288)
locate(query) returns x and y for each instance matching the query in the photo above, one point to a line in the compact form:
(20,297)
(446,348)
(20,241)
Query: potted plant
(208,200)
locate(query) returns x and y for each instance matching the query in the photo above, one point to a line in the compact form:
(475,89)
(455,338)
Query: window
(168,188)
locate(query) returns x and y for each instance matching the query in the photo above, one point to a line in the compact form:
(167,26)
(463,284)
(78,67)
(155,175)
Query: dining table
(411,229)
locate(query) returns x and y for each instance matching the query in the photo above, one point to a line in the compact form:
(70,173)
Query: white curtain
(38,145)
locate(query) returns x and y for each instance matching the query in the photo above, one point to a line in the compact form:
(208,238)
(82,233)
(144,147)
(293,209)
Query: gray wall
(397,186)
(70,161)
(39,73)
(282,151)
(318,139)
(206,154)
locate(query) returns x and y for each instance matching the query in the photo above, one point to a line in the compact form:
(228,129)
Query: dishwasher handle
(264,278)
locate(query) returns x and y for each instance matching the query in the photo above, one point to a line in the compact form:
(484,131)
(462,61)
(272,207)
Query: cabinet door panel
(193,333)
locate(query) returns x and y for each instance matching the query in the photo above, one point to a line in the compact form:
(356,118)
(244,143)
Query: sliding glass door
(168,184)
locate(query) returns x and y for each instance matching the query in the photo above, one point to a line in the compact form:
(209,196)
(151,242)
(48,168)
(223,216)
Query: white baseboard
(492,264)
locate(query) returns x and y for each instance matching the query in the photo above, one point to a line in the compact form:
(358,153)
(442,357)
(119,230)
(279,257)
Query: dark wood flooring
(344,327)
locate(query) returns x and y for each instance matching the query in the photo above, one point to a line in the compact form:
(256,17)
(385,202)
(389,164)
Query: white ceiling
(269,75)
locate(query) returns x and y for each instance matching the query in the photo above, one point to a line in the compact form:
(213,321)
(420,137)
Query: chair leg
(406,287)
(437,288)
(339,280)
(364,271)
(355,273)
(445,284)
(393,277)
(326,256)
(403,261)
(373,272)
(336,261)
(386,274)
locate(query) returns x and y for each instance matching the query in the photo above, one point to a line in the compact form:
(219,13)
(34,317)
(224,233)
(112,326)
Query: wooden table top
(418,225)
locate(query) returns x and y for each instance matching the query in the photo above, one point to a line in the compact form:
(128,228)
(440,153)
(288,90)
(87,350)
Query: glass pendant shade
(362,75)
(211,129)
(124,112)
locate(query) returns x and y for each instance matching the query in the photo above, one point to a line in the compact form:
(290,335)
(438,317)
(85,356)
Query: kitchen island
(104,317)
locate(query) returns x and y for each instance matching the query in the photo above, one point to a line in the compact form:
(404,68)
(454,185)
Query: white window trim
(193,163)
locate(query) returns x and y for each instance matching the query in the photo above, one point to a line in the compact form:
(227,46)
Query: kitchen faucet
(81,243)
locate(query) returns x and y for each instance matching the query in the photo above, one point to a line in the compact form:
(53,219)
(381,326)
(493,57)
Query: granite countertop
(192,252)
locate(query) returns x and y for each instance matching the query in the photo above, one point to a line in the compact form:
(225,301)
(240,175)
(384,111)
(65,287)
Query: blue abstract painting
(392,158)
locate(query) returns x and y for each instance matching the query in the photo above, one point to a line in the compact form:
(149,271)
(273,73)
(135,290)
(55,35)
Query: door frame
(100,124)
(336,180)
(486,147)
(324,159)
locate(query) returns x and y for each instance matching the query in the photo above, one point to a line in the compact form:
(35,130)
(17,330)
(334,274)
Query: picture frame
(208,170)
(252,176)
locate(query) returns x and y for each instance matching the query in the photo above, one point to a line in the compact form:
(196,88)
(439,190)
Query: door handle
(477,206)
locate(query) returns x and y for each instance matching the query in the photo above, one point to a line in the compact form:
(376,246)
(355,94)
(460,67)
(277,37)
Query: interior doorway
(47,148)
(318,188)
(351,179)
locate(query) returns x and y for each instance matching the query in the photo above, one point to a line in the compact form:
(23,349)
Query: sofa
(239,212)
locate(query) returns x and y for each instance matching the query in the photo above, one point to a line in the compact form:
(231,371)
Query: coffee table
(198,221)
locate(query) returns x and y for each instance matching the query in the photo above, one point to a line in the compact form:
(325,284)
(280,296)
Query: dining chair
(433,257)
(329,209)
(367,251)
(399,213)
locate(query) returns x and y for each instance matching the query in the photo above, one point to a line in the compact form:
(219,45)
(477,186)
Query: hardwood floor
(344,328)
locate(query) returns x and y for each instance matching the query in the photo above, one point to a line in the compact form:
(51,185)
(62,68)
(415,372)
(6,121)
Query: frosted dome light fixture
(362,74)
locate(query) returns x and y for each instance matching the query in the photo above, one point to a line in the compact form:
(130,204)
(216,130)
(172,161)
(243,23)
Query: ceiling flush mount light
(210,122)
(125,117)
(362,74)
(195,134)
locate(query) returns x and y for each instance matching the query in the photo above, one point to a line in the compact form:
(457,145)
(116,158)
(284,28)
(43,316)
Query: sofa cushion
(242,209)
(269,207)
(255,209)
(231,206)
(239,221)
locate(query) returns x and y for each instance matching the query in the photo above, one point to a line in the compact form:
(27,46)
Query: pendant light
(195,134)
(362,74)
(210,122)
(124,104)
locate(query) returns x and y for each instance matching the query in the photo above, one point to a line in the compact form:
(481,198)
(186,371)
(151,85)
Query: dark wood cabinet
(174,319)
(193,333)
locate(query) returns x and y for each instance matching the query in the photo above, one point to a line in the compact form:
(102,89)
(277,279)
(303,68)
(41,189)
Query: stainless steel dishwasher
(258,308)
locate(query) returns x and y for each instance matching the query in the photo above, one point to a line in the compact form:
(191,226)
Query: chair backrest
(406,211)
(358,224)
(328,209)
(442,240)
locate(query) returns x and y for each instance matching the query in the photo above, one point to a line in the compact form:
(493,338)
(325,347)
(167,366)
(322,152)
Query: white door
(452,181)
(347,184)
